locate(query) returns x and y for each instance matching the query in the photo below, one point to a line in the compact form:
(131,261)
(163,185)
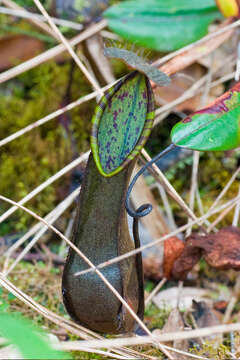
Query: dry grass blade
(155,291)
(167,207)
(220,217)
(169,188)
(68,47)
(193,52)
(52,116)
(101,352)
(51,53)
(163,110)
(91,96)
(194,184)
(63,206)
(229,309)
(39,226)
(197,87)
(225,189)
(186,95)
(140,340)
(236,212)
(29,15)
(172,63)
(223,79)
(46,183)
(12,5)
(199,42)
(76,345)
(196,154)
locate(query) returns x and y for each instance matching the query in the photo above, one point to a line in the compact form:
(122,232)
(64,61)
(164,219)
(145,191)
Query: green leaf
(214,128)
(164,25)
(28,340)
(122,123)
(11,297)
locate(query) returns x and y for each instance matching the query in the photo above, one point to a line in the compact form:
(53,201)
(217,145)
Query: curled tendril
(144,209)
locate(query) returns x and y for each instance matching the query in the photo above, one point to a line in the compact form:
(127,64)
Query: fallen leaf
(220,250)
(221,54)
(152,268)
(179,84)
(18,48)
(173,247)
(174,323)
(169,298)
(188,258)
(205,316)
(220,306)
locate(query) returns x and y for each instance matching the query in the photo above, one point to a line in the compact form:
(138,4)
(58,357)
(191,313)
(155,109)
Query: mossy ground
(31,159)
(42,282)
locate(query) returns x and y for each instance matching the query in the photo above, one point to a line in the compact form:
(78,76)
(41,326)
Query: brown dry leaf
(179,84)
(221,54)
(173,247)
(152,267)
(188,258)
(205,316)
(220,305)
(190,56)
(175,323)
(18,48)
(220,250)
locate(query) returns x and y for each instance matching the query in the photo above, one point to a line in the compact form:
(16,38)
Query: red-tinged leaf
(214,128)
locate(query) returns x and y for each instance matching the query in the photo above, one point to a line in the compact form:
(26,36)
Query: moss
(31,159)
(40,283)
(209,350)
(156,317)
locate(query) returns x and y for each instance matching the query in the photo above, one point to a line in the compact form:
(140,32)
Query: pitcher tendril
(144,209)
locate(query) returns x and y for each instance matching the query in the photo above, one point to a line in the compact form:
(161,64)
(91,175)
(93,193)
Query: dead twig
(37,22)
